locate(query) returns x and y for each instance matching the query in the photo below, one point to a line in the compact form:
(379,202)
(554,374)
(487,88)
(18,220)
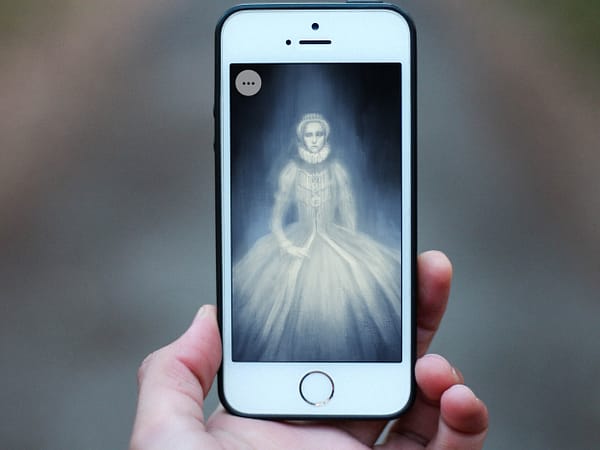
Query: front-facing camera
(315,26)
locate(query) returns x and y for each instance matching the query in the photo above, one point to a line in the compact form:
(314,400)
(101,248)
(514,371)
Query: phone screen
(316,212)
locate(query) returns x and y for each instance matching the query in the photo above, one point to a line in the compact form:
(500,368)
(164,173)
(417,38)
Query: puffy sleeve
(283,197)
(346,205)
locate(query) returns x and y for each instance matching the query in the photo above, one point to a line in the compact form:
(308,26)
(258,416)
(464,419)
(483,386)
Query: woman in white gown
(316,289)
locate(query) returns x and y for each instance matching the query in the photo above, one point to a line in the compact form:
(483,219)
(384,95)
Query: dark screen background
(362,103)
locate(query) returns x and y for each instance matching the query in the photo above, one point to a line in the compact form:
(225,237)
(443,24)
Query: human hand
(174,381)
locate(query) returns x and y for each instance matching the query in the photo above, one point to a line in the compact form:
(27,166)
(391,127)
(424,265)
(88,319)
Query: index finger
(434,273)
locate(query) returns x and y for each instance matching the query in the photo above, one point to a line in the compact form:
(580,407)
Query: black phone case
(218,206)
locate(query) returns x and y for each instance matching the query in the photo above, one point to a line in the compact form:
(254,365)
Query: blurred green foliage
(15,15)
(577,20)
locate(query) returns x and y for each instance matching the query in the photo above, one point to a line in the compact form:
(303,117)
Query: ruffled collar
(314,158)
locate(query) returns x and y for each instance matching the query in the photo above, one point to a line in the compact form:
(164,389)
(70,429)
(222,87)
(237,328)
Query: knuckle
(142,369)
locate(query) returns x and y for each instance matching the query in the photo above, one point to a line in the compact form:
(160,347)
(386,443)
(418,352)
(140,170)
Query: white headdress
(321,155)
(311,117)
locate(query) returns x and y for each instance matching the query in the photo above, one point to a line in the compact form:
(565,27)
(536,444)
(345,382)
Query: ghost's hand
(291,249)
(298,252)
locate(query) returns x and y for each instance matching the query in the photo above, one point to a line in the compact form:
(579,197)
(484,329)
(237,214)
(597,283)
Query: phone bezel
(293,371)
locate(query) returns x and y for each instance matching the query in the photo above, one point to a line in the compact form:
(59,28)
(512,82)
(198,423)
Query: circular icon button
(248,83)
(316,388)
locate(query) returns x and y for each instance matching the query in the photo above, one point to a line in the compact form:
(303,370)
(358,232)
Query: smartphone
(315,181)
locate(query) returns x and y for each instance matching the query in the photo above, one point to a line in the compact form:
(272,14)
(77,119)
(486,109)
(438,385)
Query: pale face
(314,136)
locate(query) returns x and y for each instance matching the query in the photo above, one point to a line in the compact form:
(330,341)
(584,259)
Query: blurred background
(107,206)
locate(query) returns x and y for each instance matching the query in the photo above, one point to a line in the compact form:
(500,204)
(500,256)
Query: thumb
(174,380)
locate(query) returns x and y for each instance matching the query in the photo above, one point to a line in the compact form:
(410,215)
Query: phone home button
(316,388)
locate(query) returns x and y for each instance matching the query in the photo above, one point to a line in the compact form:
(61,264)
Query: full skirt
(342,302)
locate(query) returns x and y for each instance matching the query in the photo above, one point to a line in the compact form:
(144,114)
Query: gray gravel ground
(118,252)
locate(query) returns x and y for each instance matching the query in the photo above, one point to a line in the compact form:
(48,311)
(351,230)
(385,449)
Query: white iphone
(315,155)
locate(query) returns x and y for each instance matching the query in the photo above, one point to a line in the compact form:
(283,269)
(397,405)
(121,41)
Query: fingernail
(455,373)
(435,356)
(203,311)
(466,391)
